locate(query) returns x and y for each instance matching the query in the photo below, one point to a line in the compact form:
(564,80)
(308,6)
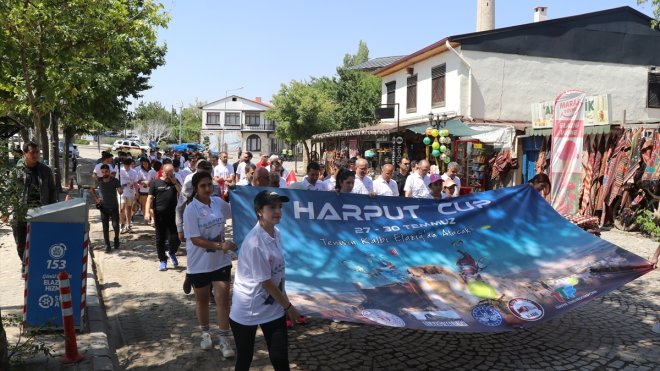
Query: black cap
(264,198)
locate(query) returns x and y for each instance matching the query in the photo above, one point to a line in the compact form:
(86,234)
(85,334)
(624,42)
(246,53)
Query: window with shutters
(654,90)
(390,87)
(411,97)
(438,86)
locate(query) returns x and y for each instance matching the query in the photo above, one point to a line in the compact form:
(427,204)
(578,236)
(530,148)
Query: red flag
(291,178)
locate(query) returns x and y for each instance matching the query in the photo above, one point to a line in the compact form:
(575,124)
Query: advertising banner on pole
(490,261)
(566,152)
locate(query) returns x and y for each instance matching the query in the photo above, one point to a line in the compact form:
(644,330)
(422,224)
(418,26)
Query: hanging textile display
(567,142)
(651,156)
(588,163)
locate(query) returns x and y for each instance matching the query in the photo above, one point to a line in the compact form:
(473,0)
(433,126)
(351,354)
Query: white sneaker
(207,342)
(656,327)
(225,348)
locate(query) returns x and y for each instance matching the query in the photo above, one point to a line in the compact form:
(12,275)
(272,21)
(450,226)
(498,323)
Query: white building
(496,75)
(235,122)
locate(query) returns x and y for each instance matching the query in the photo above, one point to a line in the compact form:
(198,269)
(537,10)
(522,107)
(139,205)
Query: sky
(217,47)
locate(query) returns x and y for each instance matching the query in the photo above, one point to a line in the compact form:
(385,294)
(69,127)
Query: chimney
(485,15)
(258,99)
(540,13)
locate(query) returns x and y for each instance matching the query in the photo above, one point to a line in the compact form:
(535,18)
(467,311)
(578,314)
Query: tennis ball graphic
(481,289)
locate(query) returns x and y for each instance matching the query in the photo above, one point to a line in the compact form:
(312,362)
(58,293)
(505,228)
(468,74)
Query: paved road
(156,327)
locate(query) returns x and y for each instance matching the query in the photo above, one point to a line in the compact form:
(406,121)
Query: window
(233,118)
(252,118)
(213,118)
(390,87)
(411,98)
(253,143)
(654,90)
(438,86)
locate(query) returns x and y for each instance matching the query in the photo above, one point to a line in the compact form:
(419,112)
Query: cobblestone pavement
(154,327)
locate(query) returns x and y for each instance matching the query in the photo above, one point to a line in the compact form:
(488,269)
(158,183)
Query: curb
(103,358)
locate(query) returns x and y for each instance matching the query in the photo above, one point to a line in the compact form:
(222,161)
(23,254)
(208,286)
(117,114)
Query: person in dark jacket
(36,181)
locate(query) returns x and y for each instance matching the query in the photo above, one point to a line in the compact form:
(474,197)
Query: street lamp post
(439,122)
(224,120)
(180,118)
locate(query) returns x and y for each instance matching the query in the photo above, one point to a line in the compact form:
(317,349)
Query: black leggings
(277,341)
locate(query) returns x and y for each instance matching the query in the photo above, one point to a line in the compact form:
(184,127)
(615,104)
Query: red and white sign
(565,163)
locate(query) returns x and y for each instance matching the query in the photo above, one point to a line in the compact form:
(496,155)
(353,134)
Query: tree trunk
(42,139)
(54,158)
(4,346)
(68,136)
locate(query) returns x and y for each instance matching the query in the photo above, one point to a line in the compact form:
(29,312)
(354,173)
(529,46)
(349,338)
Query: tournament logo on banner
(489,261)
(565,159)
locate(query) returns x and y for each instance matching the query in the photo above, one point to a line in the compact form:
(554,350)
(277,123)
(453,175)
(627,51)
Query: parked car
(73,149)
(127,145)
(192,147)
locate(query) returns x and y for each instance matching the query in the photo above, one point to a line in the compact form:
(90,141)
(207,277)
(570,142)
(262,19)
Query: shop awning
(380,129)
(588,130)
(455,126)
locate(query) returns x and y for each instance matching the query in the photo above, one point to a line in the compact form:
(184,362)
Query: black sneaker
(187,285)
(108,249)
(116,243)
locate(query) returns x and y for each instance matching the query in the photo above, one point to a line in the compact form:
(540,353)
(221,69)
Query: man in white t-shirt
(452,173)
(246,158)
(106,159)
(363,183)
(384,185)
(417,184)
(311,182)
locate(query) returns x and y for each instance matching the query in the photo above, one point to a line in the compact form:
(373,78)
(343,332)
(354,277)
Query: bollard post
(71,354)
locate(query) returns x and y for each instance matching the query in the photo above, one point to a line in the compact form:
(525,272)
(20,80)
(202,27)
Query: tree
(77,58)
(656,11)
(357,93)
(191,122)
(152,121)
(301,110)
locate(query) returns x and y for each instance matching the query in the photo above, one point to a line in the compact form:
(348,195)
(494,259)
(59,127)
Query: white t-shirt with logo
(128,180)
(260,259)
(200,220)
(145,175)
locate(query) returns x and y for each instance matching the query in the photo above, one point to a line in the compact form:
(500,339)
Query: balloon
(428,131)
(443,148)
(447,160)
(435,145)
(446,132)
(427,141)
(442,156)
(435,153)
(434,133)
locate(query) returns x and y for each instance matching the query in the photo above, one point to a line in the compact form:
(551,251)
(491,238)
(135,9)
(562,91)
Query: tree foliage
(301,110)
(81,58)
(656,11)
(344,101)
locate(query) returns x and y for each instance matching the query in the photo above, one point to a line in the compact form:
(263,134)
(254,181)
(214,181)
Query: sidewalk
(92,344)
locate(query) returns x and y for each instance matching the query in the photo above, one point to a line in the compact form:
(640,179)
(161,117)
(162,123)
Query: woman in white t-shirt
(209,262)
(259,297)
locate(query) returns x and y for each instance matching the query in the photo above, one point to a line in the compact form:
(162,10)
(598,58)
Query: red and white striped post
(71,354)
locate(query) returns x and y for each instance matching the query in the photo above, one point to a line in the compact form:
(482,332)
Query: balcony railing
(243,127)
